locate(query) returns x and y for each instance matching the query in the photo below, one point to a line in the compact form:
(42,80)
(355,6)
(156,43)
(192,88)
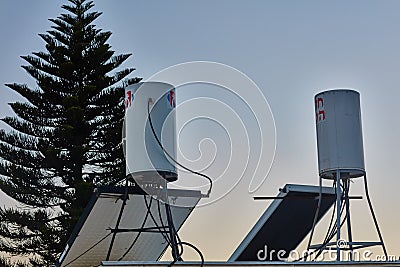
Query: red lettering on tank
(319,107)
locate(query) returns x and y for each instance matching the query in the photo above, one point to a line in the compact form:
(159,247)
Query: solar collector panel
(285,223)
(91,239)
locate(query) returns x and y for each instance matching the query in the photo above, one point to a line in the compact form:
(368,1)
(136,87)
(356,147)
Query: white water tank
(145,159)
(339,133)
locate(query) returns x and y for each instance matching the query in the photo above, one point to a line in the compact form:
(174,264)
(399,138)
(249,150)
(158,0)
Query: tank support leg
(338,204)
(172,233)
(374,217)
(347,203)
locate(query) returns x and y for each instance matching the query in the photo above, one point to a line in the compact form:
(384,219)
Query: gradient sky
(291,50)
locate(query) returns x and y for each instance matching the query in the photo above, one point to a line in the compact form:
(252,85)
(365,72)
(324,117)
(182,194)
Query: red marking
(128,99)
(320,100)
(321,112)
(171,98)
(319,109)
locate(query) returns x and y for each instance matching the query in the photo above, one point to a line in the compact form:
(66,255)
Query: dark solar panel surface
(285,223)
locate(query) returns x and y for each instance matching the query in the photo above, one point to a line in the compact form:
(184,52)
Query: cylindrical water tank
(145,159)
(339,133)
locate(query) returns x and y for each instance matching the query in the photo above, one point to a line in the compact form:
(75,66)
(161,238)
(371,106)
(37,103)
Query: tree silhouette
(65,138)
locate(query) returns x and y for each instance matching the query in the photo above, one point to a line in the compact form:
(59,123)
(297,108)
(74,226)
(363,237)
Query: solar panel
(285,223)
(91,238)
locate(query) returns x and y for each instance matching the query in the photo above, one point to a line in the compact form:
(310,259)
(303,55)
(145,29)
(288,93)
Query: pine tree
(65,138)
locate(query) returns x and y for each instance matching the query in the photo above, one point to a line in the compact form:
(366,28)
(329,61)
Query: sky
(291,50)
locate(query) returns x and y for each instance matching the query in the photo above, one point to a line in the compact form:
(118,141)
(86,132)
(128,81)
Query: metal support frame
(121,211)
(162,229)
(172,234)
(342,198)
(348,219)
(373,216)
(338,209)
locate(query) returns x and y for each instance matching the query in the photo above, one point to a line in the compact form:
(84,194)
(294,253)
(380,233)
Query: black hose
(175,233)
(172,158)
